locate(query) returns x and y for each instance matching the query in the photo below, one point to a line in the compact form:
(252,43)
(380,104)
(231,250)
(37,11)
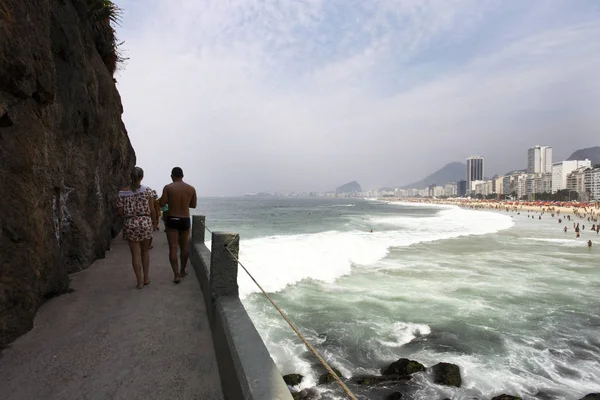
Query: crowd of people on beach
(583,213)
(142,209)
(575,212)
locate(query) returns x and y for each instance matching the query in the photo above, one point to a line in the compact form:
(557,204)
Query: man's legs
(172,238)
(184,245)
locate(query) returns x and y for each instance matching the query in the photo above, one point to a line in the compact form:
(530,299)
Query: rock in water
(327,378)
(374,379)
(64,152)
(293,379)
(506,397)
(403,366)
(306,394)
(446,374)
(591,396)
(394,396)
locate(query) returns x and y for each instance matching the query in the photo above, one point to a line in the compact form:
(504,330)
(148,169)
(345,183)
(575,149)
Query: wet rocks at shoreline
(306,394)
(403,366)
(397,372)
(293,379)
(376,379)
(327,378)
(446,374)
(392,378)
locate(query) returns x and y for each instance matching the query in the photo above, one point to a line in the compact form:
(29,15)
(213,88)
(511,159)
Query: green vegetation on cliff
(105,15)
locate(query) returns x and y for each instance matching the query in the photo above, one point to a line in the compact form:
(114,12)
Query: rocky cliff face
(64,152)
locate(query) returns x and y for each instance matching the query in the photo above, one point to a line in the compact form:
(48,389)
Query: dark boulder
(446,374)
(375,379)
(394,396)
(327,378)
(293,379)
(591,396)
(506,397)
(403,366)
(306,394)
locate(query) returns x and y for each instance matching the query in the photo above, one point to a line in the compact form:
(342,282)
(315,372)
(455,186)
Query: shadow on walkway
(109,340)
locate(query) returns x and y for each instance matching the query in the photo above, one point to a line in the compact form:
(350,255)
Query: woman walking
(136,204)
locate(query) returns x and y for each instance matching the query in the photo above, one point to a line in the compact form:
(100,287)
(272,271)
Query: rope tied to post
(306,343)
(209,231)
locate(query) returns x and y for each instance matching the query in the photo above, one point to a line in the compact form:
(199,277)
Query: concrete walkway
(109,340)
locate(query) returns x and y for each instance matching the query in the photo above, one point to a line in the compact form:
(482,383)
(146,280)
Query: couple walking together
(140,206)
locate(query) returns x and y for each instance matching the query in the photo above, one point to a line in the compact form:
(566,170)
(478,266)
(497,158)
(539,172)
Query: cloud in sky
(300,95)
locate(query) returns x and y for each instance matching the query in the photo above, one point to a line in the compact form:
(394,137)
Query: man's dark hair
(177,172)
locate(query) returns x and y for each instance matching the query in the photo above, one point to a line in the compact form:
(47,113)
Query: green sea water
(514,301)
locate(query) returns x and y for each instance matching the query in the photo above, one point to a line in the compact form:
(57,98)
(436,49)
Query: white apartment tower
(561,169)
(539,160)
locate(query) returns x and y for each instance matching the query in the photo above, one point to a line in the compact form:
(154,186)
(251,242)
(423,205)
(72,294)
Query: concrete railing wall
(245,365)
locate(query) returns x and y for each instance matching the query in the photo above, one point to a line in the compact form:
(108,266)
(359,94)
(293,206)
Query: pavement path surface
(109,340)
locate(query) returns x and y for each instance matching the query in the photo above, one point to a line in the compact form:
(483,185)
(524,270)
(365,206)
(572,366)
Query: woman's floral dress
(136,210)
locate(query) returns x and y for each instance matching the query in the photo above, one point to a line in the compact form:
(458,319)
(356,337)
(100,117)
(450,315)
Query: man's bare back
(180,197)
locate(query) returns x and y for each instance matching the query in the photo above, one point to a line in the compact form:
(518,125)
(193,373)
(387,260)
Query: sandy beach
(582,210)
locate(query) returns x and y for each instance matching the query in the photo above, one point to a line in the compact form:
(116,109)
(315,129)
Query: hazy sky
(299,95)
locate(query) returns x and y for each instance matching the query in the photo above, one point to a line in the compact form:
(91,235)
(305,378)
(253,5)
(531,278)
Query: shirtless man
(180,197)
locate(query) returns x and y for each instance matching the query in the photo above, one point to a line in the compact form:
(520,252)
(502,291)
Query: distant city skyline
(478,169)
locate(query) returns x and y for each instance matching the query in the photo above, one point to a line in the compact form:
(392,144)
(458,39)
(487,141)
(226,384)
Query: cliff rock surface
(64,151)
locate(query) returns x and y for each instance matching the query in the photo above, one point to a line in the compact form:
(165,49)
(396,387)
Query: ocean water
(514,301)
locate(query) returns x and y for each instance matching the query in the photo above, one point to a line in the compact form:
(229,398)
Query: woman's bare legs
(145,246)
(135,248)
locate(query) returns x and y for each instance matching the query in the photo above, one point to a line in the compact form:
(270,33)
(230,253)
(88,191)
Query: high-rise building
(561,169)
(499,187)
(539,160)
(474,170)
(450,189)
(576,182)
(461,188)
(592,183)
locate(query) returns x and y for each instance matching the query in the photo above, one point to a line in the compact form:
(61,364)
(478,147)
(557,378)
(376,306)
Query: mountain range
(590,153)
(453,172)
(456,171)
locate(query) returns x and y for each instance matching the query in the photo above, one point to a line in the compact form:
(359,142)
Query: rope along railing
(308,345)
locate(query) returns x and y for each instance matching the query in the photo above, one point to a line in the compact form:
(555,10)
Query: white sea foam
(486,375)
(403,333)
(562,242)
(420,205)
(277,261)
